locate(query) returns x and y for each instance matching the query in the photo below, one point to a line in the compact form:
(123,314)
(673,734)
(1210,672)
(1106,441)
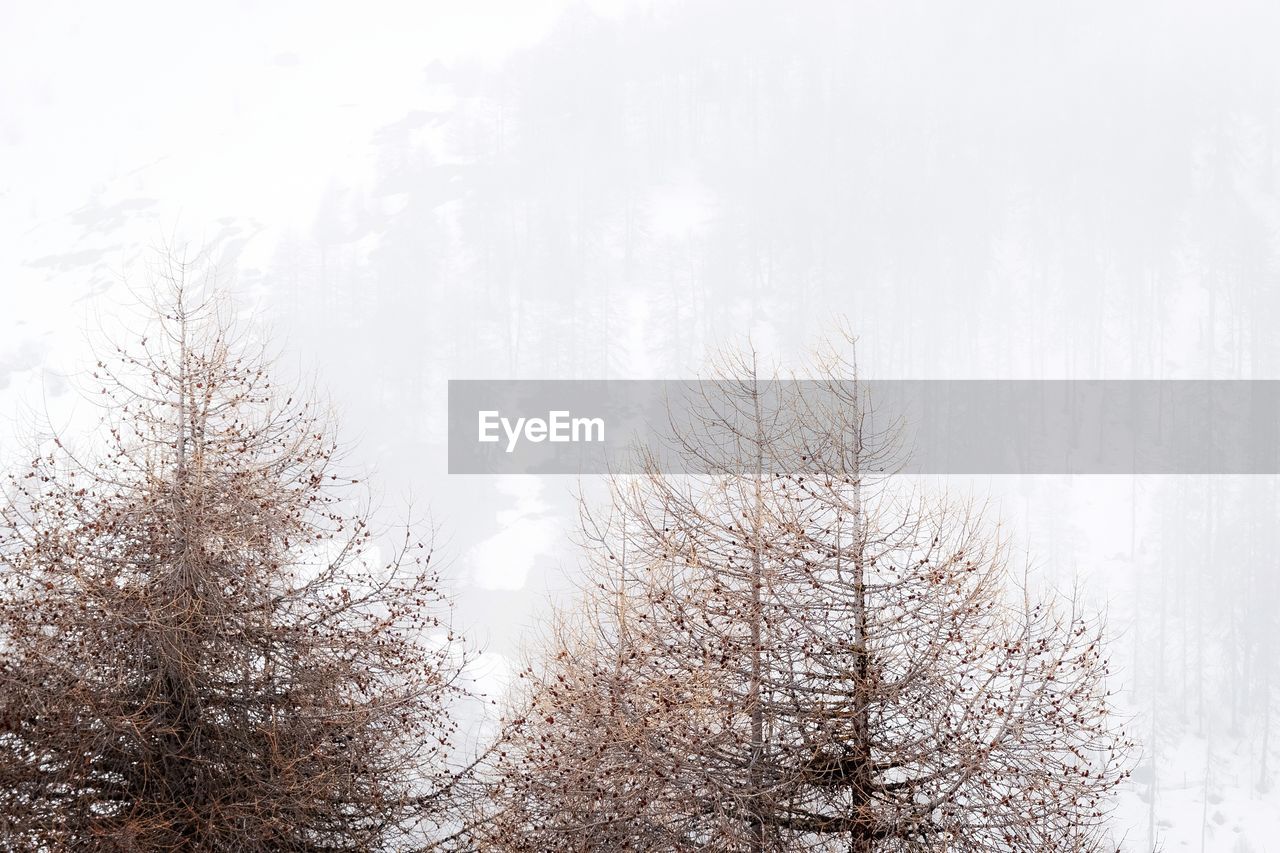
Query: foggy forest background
(613,191)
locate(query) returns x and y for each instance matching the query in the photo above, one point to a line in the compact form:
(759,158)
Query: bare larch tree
(793,652)
(202,649)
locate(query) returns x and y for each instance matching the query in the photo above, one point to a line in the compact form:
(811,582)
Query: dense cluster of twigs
(791,654)
(202,650)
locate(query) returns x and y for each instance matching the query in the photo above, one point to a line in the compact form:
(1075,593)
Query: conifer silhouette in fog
(797,652)
(202,650)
